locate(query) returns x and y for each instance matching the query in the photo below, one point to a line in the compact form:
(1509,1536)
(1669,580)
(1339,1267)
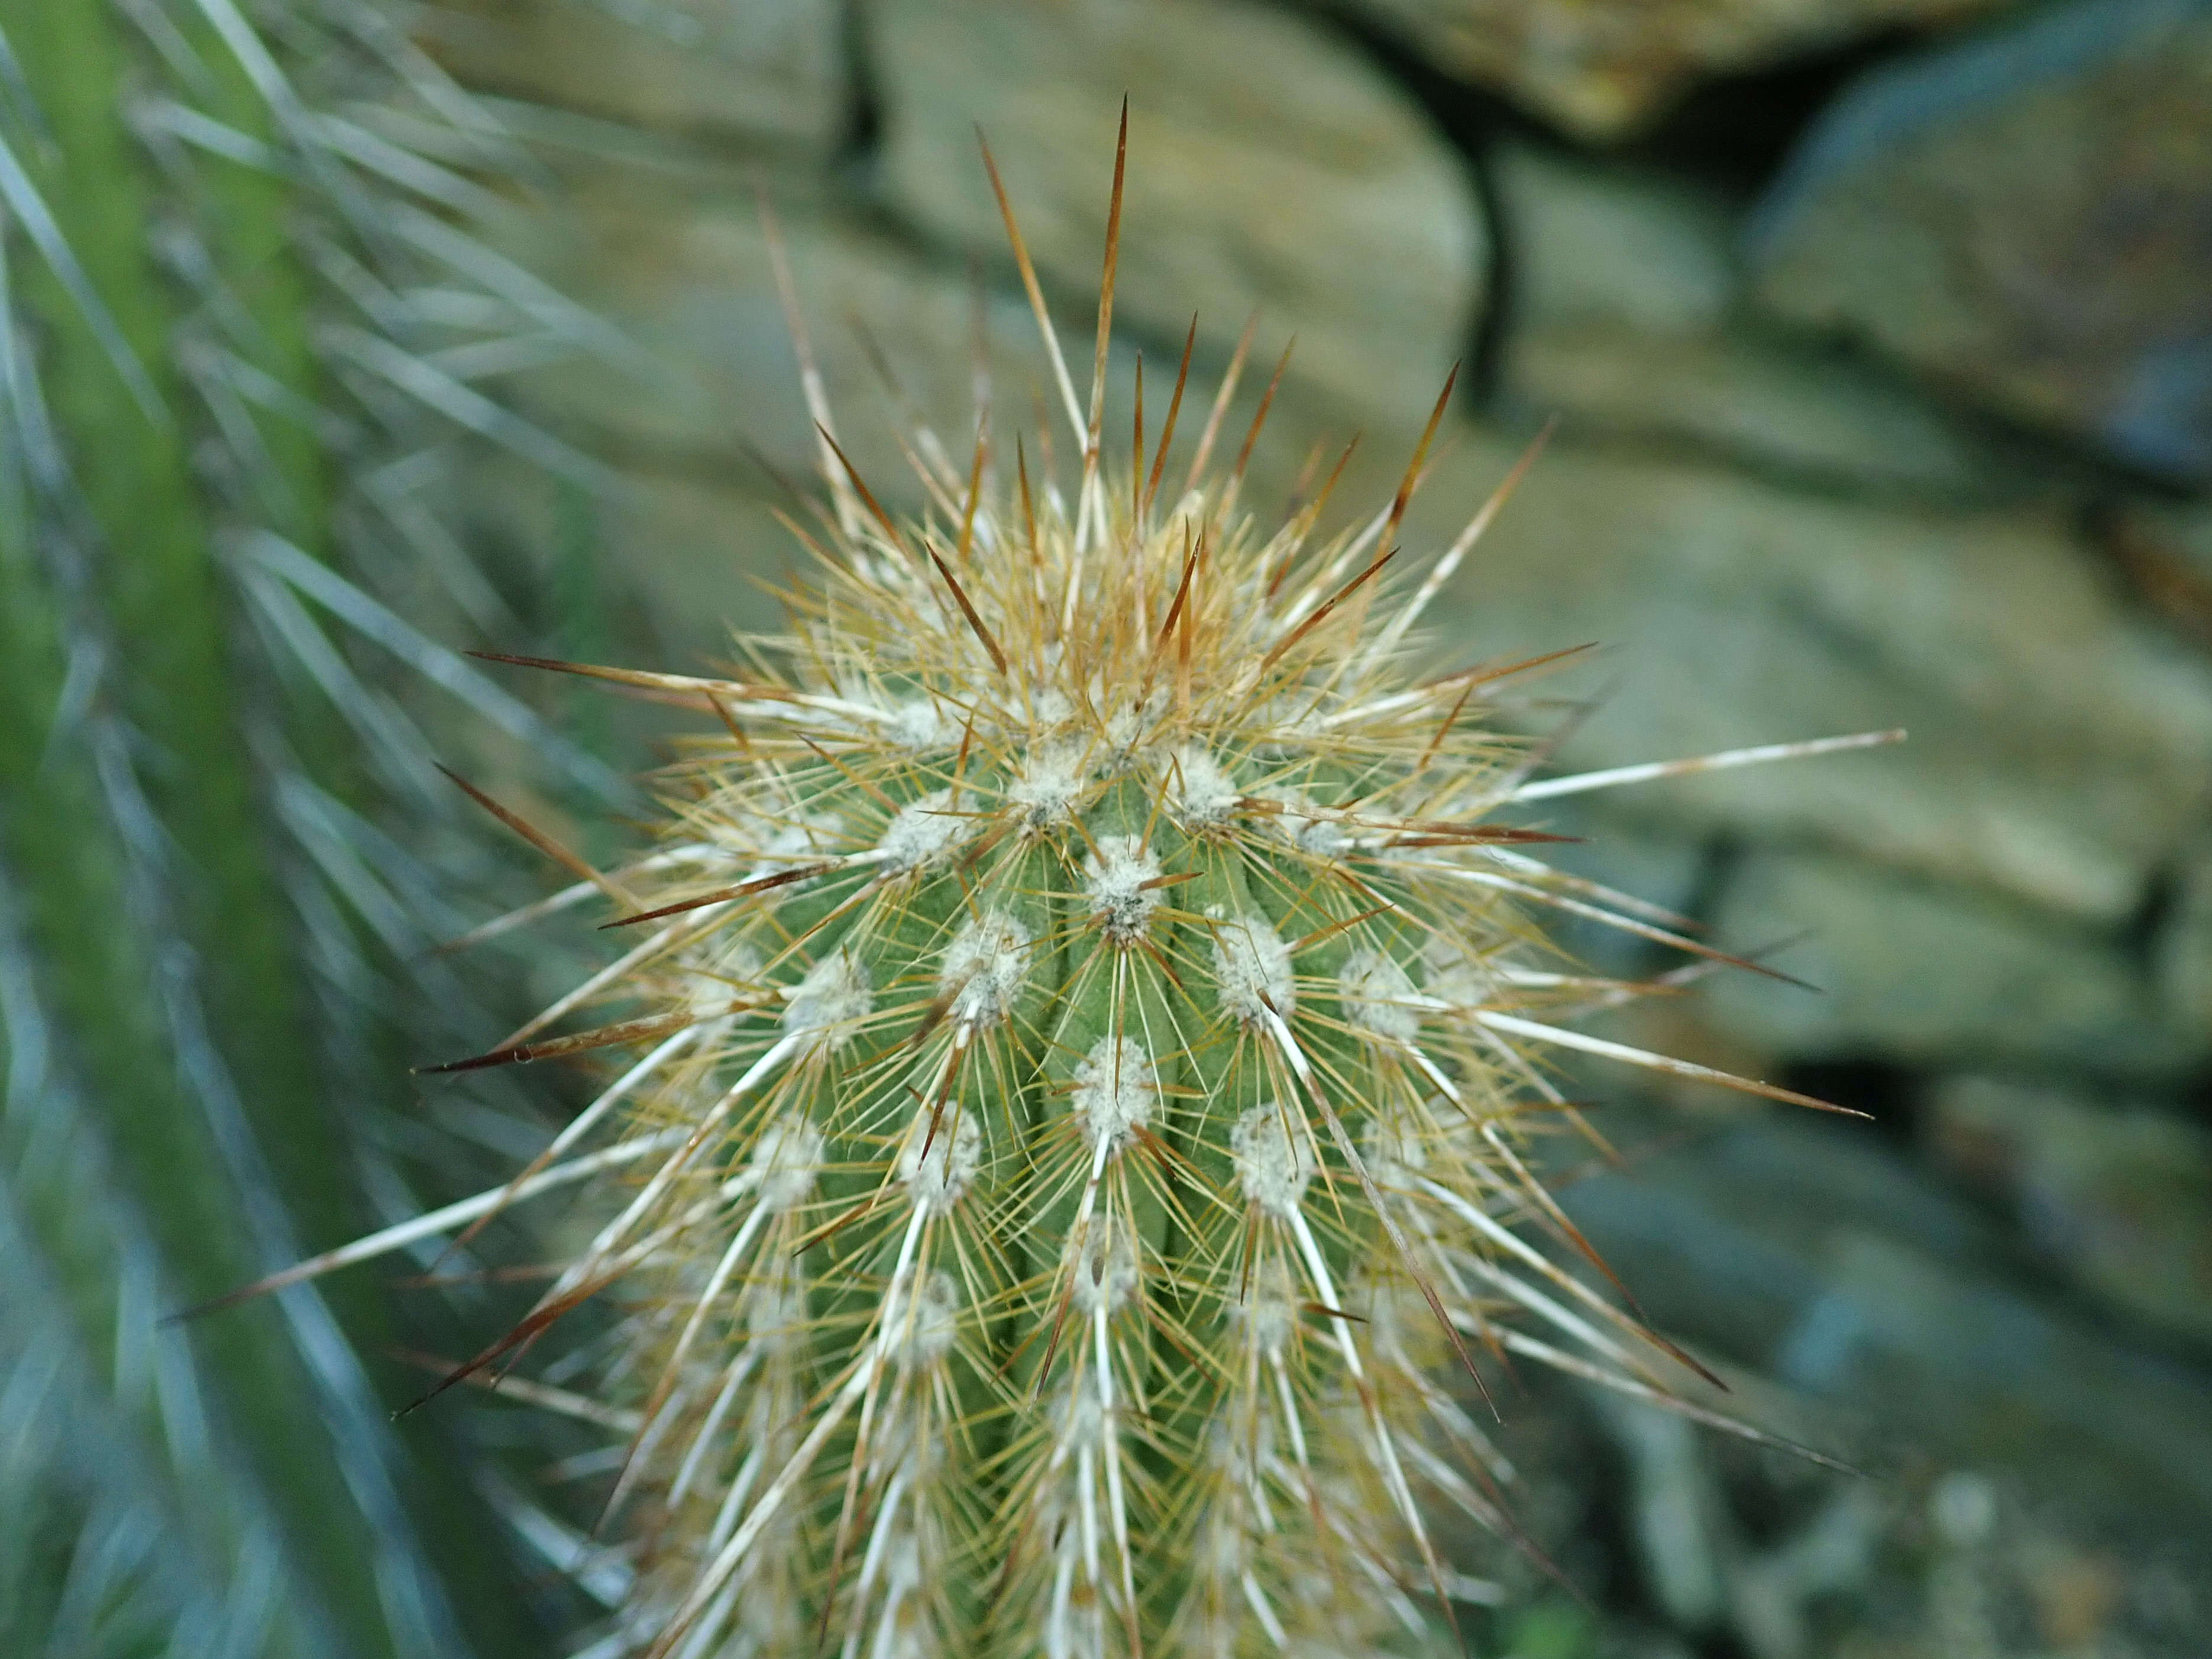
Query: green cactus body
(1096,1027)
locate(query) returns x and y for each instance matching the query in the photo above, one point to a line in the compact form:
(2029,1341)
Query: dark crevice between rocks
(2194,1096)
(861,141)
(1814,478)
(2140,934)
(1489,336)
(1470,119)
(1735,132)
(1889,1094)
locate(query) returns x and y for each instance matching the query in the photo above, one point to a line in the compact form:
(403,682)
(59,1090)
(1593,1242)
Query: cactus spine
(1091,1029)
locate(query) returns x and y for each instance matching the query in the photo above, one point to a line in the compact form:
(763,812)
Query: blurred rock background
(1880,335)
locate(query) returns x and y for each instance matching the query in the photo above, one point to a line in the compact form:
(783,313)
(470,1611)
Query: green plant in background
(1094,1040)
(244,328)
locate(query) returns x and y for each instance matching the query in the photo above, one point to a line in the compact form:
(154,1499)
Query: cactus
(1092,1029)
(243,326)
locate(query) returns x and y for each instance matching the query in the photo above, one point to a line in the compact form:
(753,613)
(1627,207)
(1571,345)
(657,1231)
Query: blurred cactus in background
(245,321)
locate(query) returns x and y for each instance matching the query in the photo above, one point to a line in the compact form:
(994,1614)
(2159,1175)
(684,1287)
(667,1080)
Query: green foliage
(227,397)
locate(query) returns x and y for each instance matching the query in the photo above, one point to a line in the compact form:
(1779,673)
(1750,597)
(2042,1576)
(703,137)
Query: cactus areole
(1087,1023)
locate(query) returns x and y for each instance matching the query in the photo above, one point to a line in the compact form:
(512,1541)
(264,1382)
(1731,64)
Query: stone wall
(1880,339)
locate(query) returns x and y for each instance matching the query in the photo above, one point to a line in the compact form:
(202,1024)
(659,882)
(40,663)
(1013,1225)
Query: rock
(2061,747)
(1701,1568)
(2032,1476)
(1812,1253)
(2026,217)
(1681,1527)
(682,557)
(1604,68)
(1831,424)
(1268,165)
(2185,531)
(1932,977)
(705,414)
(687,278)
(1594,242)
(749,74)
(2119,1198)
(1624,321)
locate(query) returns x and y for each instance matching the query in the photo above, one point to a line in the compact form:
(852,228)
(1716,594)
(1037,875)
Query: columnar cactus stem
(1098,1025)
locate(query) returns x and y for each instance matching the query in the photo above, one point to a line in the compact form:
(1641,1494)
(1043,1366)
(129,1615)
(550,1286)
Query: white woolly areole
(921,724)
(1251,967)
(920,1323)
(1272,1162)
(1113,1092)
(1114,878)
(833,997)
(786,1159)
(1106,1269)
(1323,838)
(1082,1424)
(1127,725)
(924,833)
(1295,722)
(941,1176)
(1051,706)
(986,967)
(1051,780)
(1201,794)
(1376,992)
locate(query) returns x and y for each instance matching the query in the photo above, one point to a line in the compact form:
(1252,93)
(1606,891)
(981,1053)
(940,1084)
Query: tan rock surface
(745,72)
(707,414)
(2118,1197)
(690,281)
(1925,975)
(1268,166)
(1626,322)
(2026,218)
(2061,746)
(1602,68)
